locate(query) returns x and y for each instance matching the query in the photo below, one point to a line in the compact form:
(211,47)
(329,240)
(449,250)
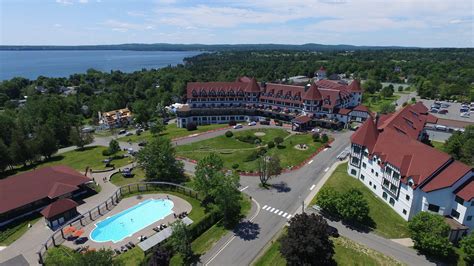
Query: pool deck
(180,206)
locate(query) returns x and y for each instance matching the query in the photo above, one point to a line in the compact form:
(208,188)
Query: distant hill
(200,47)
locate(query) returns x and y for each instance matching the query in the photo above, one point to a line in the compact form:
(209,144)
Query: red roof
(330,98)
(312,93)
(302,119)
(344,111)
(450,175)
(46,182)
(362,108)
(330,84)
(366,135)
(58,207)
(252,86)
(355,86)
(466,191)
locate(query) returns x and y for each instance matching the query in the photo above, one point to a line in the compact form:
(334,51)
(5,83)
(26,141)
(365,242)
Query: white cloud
(136,14)
(64,2)
(120,26)
(83,1)
(57,25)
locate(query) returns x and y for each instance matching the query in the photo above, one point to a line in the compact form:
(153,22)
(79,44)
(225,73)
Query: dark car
(142,143)
(265,123)
(443,111)
(332,231)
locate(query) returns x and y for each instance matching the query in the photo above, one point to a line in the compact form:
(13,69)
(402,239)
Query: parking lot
(453,111)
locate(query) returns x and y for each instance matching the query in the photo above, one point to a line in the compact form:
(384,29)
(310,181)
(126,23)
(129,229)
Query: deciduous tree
(268,167)
(352,206)
(181,241)
(80,138)
(467,246)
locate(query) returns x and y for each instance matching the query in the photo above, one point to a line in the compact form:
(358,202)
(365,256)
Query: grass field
(119,180)
(347,252)
(233,151)
(438,145)
(375,106)
(387,222)
(172,132)
(12,232)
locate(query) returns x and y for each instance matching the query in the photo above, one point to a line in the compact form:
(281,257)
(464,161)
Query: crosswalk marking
(272,209)
(289,216)
(276,210)
(285,214)
(280,213)
(265,207)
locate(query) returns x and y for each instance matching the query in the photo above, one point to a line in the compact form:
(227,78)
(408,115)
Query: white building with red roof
(247,100)
(389,158)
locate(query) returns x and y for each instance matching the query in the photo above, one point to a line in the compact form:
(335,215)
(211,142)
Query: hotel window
(372,170)
(370,183)
(392,201)
(433,208)
(407,197)
(353,172)
(459,200)
(375,187)
(455,214)
(472,203)
(384,195)
(377,174)
(386,183)
(355,160)
(404,211)
(469,218)
(396,175)
(362,177)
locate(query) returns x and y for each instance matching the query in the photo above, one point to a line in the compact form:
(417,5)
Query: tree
(316,137)
(328,199)
(80,138)
(386,108)
(430,234)
(387,91)
(352,206)
(227,198)
(278,141)
(307,241)
(372,86)
(461,145)
(161,256)
(158,160)
(46,142)
(181,241)
(206,175)
(101,257)
(191,126)
(229,133)
(271,144)
(324,138)
(268,167)
(5,158)
(114,147)
(467,246)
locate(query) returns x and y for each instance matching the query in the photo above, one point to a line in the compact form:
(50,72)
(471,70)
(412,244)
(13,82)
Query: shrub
(191,126)
(352,206)
(248,139)
(261,151)
(405,104)
(235,166)
(232,123)
(278,140)
(316,137)
(327,198)
(257,141)
(413,99)
(271,144)
(324,138)
(229,134)
(106,152)
(467,246)
(251,157)
(400,88)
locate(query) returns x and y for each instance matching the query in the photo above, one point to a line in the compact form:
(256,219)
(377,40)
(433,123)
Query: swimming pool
(131,220)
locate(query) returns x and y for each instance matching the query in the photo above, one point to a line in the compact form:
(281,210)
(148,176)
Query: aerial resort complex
(126,141)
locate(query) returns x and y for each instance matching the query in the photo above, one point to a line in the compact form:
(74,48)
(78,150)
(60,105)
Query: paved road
(404,97)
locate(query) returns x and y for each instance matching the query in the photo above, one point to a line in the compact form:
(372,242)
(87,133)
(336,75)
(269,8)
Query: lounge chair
(117,251)
(128,246)
(123,249)
(131,244)
(77,250)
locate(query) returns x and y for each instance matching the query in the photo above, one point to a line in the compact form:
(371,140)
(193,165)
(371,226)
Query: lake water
(31,64)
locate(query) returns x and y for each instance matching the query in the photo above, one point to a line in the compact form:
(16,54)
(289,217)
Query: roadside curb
(202,133)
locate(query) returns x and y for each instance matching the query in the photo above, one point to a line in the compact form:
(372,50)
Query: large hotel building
(323,102)
(388,157)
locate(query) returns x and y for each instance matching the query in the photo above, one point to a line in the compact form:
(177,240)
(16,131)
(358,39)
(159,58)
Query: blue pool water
(132,220)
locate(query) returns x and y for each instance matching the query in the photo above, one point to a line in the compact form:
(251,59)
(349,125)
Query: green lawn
(119,180)
(375,106)
(438,145)
(133,257)
(172,132)
(12,232)
(387,222)
(347,252)
(233,151)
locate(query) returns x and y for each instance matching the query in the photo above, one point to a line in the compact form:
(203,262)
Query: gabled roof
(302,119)
(450,175)
(366,135)
(28,187)
(312,93)
(344,111)
(361,108)
(252,86)
(466,191)
(355,86)
(59,189)
(58,207)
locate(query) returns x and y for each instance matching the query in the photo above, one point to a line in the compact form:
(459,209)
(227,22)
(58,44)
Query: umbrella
(69,229)
(78,233)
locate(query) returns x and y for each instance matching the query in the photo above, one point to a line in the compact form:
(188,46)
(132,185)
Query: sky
(422,23)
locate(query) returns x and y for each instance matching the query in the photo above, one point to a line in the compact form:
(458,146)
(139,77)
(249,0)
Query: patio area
(180,206)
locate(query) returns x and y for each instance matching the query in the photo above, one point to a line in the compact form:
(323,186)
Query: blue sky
(425,23)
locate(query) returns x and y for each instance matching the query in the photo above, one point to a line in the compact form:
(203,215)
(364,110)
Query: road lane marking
(272,209)
(327,169)
(232,238)
(325,149)
(312,187)
(277,210)
(244,188)
(264,207)
(285,214)
(289,216)
(310,162)
(280,213)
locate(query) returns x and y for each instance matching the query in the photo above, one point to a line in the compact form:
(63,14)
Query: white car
(128,134)
(316,130)
(238,126)
(253,123)
(465,115)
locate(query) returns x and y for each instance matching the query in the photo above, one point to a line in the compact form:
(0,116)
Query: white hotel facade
(389,158)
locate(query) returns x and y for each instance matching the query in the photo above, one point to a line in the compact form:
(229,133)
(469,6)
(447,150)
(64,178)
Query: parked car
(139,131)
(265,123)
(465,115)
(238,126)
(316,130)
(441,127)
(332,231)
(123,131)
(434,110)
(444,105)
(142,143)
(128,134)
(443,111)
(253,123)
